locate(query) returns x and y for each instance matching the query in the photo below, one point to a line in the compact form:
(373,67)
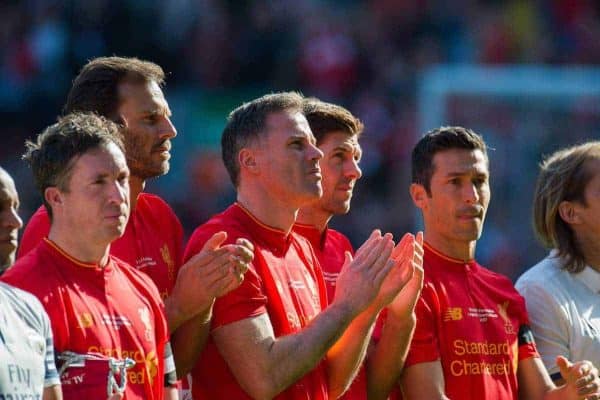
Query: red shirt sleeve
(424,346)
(36,229)
(246,301)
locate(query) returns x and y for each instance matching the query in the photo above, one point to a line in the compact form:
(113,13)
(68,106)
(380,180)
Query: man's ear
(247,160)
(53,196)
(419,195)
(569,212)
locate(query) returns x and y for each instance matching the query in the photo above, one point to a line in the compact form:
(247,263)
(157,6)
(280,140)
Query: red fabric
(113,311)
(473,320)
(330,248)
(284,281)
(152,241)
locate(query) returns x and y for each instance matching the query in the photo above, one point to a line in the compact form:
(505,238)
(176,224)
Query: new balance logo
(453,314)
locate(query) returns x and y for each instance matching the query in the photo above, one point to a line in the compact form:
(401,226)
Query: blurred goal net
(523,113)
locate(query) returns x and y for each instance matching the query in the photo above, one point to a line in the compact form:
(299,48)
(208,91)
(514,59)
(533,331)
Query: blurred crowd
(364,55)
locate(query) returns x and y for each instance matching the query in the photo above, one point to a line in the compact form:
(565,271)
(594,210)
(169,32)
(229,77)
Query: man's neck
(272,212)
(460,250)
(590,248)
(136,186)
(314,216)
(77,247)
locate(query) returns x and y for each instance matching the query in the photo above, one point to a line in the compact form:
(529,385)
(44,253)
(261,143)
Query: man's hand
(213,272)
(581,379)
(403,305)
(360,280)
(408,256)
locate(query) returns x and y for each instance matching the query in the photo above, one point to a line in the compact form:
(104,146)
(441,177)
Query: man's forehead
(341,139)
(460,161)
(103,158)
(8,191)
(6,182)
(288,123)
(147,93)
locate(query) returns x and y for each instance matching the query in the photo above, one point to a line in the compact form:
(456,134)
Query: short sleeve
(51,377)
(424,346)
(548,324)
(36,229)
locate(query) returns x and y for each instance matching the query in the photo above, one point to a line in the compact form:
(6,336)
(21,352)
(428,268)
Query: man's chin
(337,208)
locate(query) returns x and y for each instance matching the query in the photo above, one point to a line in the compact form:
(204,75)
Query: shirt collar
(447,260)
(273,238)
(59,251)
(314,236)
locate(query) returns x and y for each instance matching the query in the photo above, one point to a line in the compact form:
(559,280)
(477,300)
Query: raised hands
(213,272)
(360,280)
(581,379)
(403,305)
(403,284)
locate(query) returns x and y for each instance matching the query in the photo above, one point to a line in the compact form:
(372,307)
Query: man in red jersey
(128,92)
(472,339)
(99,306)
(337,132)
(272,337)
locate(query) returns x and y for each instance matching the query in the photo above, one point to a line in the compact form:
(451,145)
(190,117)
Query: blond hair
(563,176)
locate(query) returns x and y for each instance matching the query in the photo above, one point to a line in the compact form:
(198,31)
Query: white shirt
(26,351)
(564,311)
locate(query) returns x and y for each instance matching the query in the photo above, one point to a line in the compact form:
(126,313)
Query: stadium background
(378,58)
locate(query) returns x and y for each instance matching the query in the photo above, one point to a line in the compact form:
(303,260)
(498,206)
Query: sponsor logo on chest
(451,314)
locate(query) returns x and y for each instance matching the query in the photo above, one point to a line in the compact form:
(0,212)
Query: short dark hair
(248,122)
(563,176)
(437,140)
(54,151)
(95,89)
(325,118)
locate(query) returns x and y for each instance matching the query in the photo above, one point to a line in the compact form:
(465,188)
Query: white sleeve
(549,322)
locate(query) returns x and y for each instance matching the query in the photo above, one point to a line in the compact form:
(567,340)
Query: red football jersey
(284,281)
(113,311)
(152,241)
(474,322)
(330,248)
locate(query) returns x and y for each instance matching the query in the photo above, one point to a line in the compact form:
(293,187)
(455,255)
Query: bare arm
(424,381)
(52,393)
(188,341)
(213,272)
(347,355)
(534,383)
(386,361)
(265,366)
